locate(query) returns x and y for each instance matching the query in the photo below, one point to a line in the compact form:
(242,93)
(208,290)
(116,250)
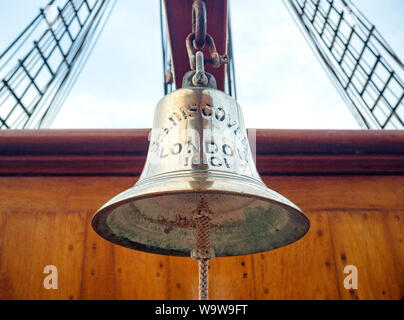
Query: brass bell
(199,164)
(199,193)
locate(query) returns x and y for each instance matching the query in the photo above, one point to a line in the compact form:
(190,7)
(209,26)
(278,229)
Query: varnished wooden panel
(30,241)
(98,276)
(395,235)
(183,278)
(362,239)
(354,220)
(303,270)
(63,194)
(346,193)
(139,275)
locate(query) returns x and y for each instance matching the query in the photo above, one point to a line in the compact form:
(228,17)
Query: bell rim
(99,225)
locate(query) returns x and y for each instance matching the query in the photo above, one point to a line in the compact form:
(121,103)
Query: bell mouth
(152,217)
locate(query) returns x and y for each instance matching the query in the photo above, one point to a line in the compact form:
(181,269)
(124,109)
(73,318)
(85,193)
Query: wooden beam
(179,24)
(123,152)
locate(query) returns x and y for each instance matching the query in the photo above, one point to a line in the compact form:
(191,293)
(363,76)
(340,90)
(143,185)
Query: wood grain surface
(355,220)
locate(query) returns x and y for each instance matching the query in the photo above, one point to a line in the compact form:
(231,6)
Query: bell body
(199,161)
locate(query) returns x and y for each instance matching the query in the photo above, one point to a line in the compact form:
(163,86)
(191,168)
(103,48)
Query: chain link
(197,39)
(199,23)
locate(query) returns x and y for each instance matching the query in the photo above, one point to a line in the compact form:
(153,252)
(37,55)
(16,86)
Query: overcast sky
(280,83)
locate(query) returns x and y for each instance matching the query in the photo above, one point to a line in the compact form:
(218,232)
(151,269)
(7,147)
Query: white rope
(203,252)
(203,265)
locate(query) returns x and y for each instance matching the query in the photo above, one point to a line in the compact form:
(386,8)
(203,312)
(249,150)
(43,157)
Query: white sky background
(280,83)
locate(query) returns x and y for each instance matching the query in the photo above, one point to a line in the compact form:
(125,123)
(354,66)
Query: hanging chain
(199,24)
(197,39)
